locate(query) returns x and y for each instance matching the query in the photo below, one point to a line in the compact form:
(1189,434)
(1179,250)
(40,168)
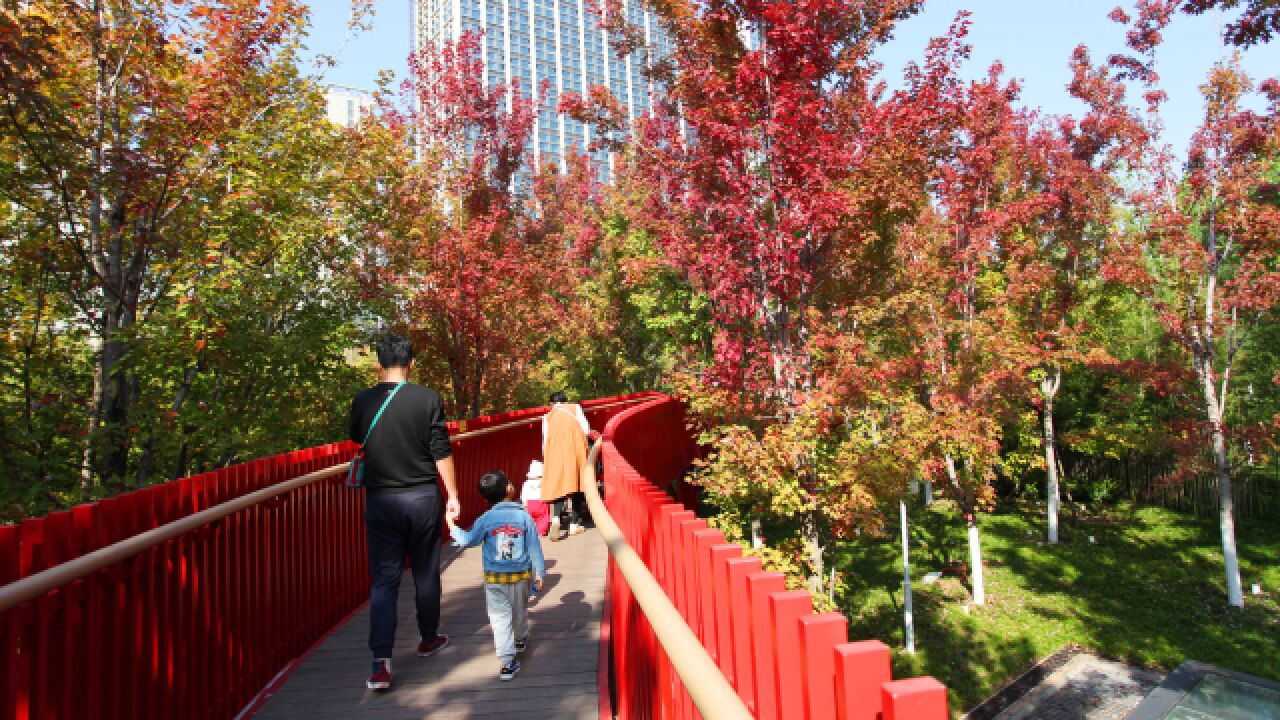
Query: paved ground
(1086,687)
(559,675)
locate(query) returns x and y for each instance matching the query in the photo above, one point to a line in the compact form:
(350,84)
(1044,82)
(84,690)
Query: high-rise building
(346,105)
(559,41)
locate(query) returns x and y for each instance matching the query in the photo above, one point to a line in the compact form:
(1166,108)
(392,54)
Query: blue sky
(1032,38)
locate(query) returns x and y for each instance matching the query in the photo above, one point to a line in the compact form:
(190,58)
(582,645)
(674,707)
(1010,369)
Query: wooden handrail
(536,418)
(33,586)
(711,692)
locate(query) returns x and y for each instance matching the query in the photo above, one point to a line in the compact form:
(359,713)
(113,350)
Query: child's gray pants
(508,615)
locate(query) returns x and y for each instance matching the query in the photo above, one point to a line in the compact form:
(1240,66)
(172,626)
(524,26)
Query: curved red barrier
(784,660)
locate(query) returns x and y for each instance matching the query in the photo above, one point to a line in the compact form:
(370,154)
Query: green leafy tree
(117,117)
(175,288)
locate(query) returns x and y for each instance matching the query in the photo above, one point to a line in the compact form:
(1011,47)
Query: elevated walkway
(241,592)
(558,680)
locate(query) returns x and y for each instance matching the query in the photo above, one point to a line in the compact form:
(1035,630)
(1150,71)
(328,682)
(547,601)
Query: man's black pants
(400,524)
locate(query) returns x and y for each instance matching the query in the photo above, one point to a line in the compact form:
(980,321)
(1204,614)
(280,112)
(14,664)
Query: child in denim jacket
(512,556)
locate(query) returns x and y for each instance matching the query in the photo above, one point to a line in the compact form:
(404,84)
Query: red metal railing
(195,625)
(783,660)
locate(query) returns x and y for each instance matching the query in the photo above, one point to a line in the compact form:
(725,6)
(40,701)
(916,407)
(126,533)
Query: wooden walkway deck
(558,679)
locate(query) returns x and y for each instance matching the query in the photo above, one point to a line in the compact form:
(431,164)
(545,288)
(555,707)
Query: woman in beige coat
(564,456)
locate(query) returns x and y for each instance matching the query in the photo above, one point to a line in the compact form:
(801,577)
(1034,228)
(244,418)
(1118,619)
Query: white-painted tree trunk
(908,621)
(975,544)
(1048,391)
(1226,504)
(1204,354)
(975,564)
(1227,522)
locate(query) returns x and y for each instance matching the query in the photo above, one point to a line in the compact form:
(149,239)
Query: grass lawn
(1150,590)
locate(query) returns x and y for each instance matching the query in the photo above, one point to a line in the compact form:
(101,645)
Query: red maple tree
(475,249)
(1213,236)
(773,164)
(1055,268)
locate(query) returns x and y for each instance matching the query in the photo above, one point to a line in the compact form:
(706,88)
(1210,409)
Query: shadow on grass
(950,645)
(1150,591)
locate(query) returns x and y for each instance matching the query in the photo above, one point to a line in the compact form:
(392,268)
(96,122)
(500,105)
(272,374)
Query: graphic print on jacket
(506,537)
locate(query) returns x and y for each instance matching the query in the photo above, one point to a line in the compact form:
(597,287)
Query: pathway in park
(1084,687)
(559,675)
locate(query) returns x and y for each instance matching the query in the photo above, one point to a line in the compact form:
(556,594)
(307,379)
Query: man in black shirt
(405,455)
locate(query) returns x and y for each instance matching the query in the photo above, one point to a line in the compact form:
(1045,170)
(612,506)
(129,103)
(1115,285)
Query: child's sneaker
(521,644)
(509,670)
(380,679)
(427,649)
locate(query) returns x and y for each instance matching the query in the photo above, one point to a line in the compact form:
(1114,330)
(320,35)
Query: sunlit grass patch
(1149,589)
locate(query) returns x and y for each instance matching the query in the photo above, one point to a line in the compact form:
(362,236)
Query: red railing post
(689,561)
(861,669)
(58,622)
(919,698)
(706,628)
(785,610)
(9,629)
(819,635)
(664,516)
(659,509)
(678,579)
(761,586)
(721,555)
(740,624)
(93,617)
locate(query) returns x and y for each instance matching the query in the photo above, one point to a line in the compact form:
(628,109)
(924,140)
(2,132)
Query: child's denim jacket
(509,540)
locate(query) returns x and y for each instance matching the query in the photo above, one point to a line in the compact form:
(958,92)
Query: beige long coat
(564,454)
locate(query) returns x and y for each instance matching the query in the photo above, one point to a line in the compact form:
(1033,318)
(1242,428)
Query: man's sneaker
(521,644)
(509,670)
(380,679)
(427,649)
(576,529)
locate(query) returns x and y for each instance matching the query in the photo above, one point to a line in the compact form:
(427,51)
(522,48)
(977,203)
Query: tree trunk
(119,386)
(813,546)
(477,385)
(975,562)
(908,623)
(119,270)
(148,453)
(459,380)
(113,408)
(975,545)
(1226,512)
(88,478)
(1048,391)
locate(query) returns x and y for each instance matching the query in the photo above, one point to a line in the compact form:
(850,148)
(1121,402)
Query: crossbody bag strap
(385,403)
